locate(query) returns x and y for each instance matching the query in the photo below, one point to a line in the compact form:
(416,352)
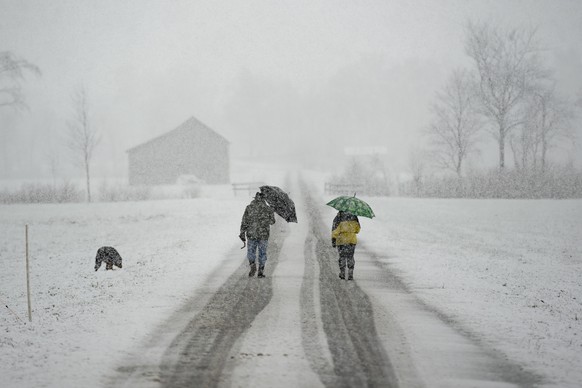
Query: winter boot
(342,274)
(253,270)
(261,274)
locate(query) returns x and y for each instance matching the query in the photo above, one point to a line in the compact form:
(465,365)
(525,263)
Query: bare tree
(455,126)
(82,136)
(52,159)
(547,121)
(12,71)
(524,144)
(552,121)
(417,166)
(508,67)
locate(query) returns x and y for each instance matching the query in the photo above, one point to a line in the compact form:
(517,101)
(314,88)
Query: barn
(192,150)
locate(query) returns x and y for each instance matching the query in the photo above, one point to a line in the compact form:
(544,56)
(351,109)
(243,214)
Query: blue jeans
(252,246)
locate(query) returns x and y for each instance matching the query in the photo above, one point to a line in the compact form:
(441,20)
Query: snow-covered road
(302,326)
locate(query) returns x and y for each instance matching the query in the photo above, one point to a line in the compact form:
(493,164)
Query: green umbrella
(352,205)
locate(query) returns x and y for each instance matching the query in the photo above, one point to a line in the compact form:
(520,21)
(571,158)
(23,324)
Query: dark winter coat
(257,220)
(344,229)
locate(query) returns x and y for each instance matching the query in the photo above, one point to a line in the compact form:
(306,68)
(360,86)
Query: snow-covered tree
(12,72)
(417,158)
(455,125)
(508,68)
(547,121)
(82,135)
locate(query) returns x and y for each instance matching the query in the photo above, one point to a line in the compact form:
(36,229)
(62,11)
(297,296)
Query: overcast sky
(298,77)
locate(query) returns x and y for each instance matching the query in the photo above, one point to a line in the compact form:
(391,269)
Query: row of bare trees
(509,94)
(81,136)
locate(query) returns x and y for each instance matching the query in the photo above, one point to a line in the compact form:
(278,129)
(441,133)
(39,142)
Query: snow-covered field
(507,272)
(82,320)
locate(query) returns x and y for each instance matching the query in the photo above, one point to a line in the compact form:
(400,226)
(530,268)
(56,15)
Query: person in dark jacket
(110,256)
(255,227)
(344,229)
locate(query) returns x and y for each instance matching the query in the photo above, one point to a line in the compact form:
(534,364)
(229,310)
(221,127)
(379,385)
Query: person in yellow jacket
(343,236)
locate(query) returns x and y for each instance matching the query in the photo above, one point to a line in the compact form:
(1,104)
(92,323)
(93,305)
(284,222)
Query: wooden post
(27,275)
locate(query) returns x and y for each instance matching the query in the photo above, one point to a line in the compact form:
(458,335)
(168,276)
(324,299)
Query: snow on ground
(506,271)
(82,319)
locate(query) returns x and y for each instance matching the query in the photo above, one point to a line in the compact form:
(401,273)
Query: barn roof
(192,124)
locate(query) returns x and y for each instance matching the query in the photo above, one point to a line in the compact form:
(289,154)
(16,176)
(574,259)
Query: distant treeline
(67,192)
(367,176)
(42,193)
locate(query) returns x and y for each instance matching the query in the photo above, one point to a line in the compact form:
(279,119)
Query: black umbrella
(280,202)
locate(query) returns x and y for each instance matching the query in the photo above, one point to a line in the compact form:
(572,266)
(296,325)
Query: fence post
(27,275)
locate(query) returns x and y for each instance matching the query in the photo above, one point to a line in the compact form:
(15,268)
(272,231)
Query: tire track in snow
(348,319)
(314,341)
(478,364)
(197,356)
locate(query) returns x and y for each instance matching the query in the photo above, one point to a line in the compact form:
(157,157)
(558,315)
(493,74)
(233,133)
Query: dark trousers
(346,255)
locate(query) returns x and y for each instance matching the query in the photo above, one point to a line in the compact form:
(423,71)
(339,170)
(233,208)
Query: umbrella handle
(244,245)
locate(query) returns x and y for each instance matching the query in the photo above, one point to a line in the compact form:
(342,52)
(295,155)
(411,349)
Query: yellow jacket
(345,232)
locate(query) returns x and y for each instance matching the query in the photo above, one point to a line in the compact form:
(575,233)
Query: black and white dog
(110,256)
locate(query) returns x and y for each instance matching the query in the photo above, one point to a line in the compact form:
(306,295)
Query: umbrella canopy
(352,205)
(280,202)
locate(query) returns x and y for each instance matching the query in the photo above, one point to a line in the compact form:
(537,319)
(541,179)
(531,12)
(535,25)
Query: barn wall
(182,152)
(210,161)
